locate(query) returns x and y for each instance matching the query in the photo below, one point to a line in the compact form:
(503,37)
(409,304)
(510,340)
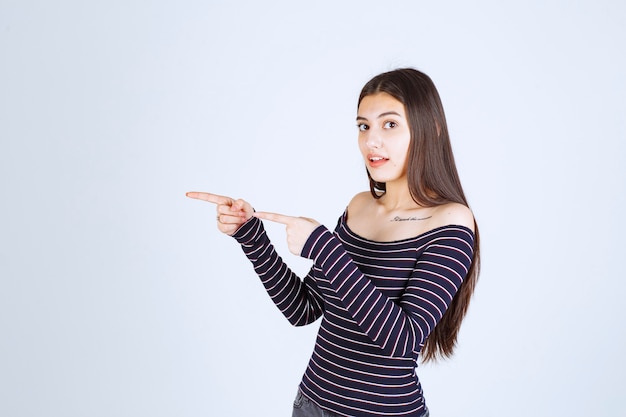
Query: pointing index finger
(274,217)
(211,198)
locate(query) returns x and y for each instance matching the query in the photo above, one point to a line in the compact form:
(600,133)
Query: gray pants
(303,407)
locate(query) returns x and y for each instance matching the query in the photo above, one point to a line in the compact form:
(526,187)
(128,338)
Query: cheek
(402,151)
(362,145)
(406,142)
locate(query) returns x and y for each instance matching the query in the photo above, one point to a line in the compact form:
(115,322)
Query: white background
(118,296)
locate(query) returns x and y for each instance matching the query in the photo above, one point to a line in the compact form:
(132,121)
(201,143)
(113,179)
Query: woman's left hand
(298,229)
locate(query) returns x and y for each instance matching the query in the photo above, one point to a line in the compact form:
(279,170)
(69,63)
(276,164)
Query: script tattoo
(408,219)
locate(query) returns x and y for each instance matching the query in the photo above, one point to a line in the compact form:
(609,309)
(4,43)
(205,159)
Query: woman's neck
(397,197)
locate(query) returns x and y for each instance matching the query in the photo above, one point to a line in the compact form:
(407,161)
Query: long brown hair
(433,180)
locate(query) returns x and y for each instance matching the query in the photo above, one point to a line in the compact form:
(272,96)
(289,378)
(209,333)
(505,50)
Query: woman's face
(384,137)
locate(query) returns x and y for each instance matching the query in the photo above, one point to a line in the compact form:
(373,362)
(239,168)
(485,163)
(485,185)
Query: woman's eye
(390,125)
(362,127)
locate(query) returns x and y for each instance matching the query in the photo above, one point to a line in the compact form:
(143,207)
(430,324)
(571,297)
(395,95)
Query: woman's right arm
(300,301)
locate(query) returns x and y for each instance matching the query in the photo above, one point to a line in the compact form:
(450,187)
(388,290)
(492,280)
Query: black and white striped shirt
(379,302)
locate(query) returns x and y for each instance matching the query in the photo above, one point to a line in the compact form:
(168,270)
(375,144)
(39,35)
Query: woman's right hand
(231,214)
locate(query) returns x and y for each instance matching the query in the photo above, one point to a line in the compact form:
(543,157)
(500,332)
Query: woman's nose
(374,141)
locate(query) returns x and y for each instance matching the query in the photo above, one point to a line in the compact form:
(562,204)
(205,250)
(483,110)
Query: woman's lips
(375,161)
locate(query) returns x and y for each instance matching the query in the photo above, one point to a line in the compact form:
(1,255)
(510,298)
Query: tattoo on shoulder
(408,219)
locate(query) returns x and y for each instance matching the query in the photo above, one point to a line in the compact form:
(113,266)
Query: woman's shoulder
(360,201)
(454,214)
(364,216)
(361,198)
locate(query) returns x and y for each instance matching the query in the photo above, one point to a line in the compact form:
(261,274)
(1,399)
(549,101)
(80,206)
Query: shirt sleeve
(400,328)
(299,300)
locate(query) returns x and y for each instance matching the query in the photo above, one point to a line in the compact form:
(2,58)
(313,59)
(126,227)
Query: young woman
(394,279)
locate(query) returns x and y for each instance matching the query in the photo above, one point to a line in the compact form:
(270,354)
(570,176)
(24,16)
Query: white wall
(118,297)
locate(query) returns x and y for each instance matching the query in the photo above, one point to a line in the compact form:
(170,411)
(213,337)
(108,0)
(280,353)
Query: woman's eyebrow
(387,113)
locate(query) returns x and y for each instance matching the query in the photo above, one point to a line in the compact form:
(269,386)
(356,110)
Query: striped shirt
(379,302)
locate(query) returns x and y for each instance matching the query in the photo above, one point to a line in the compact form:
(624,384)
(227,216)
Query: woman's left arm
(399,328)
